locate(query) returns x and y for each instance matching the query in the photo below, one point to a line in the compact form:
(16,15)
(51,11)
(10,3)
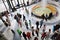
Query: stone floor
(15,25)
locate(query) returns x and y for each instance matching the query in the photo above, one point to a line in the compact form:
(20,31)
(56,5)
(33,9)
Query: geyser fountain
(49,8)
(44,9)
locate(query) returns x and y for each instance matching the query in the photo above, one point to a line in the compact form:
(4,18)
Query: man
(41,22)
(24,35)
(37,24)
(26,23)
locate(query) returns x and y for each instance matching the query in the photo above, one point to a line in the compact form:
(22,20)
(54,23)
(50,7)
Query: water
(44,3)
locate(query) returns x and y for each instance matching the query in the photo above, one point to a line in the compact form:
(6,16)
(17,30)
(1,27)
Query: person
(24,18)
(48,34)
(50,15)
(8,22)
(54,35)
(8,18)
(5,23)
(19,32)
(56,13)
(24,35)
(30,23)
(37,24)
(18,4)
(43,17)
(13,32)
(24,3)
(37,32)
(41,23)
(19,15)
(28,35)
(46,17)
(16,17)
(19,22)
(58,37)
(26,24)
(35,38)
(6,14)
(32,31)
(43,35)
(44,28)
(28,3)
(1,22)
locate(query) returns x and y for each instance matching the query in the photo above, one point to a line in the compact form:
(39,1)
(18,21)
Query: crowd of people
(34,32)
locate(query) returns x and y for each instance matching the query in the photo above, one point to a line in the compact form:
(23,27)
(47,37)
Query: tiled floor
(15,26)
(33,23)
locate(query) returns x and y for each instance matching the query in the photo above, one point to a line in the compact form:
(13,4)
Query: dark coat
(58,37)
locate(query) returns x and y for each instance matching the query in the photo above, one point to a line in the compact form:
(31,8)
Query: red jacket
(43,34)
(28,34)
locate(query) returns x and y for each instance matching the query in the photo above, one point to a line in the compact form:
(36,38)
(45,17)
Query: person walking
(28,35)
(28,3)
(41,23)
(46,17)
(58,37)
(30,23)
(5,23)
(24,35)
(26,24)
(33,31)
(19,22)
(37,32)
(24,18)
(43,35)
(44,28)
(37,24)
(54,35)
(48,34)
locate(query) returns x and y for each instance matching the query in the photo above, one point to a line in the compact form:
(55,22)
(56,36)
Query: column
(8,2)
